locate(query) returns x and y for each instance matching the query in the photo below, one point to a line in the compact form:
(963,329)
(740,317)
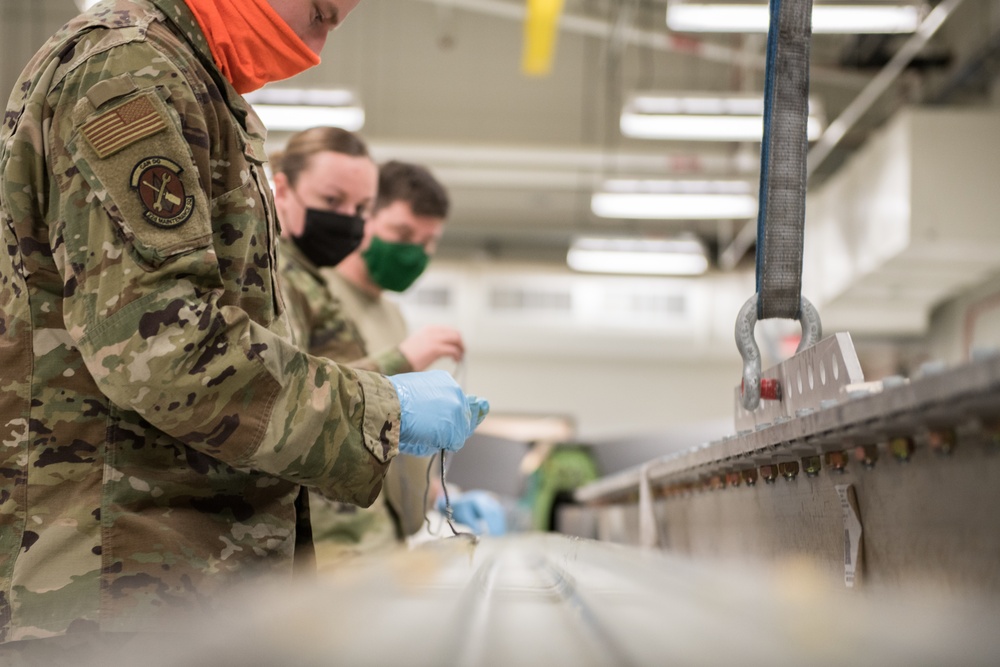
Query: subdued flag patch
(123,126)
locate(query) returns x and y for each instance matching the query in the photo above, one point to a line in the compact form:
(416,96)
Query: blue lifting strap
(781,211)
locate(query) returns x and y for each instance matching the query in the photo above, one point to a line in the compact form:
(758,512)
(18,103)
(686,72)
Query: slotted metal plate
(816,374)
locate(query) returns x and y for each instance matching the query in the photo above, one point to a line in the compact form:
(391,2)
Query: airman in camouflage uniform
(325,187)
(325,184)
(408,217)
(319,324)
(155,422)
(338,182)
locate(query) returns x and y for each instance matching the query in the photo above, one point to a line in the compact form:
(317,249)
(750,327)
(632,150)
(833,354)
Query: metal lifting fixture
(781,209)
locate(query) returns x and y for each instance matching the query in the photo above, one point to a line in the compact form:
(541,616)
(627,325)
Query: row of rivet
(902,448)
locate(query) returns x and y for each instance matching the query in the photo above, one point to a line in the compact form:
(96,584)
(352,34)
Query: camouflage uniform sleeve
(319,317)
(162,328)
(390,362)
(295,290)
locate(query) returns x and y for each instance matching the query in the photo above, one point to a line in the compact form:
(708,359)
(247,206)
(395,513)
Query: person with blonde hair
(325,187)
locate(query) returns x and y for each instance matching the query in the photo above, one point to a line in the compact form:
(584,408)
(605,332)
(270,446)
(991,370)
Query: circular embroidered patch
(158,183)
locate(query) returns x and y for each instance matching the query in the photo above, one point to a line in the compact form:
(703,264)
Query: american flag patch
(123,126)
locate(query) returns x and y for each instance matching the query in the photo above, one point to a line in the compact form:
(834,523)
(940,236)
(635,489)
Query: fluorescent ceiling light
(667,257)
(704,117)
(84,5)
(298,109)
(297,118)
(680,186)
(848,19)
(675,200)
(673,207)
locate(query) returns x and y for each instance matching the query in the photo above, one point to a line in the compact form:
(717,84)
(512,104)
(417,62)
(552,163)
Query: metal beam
(661,40)
(966,397)
(741,243)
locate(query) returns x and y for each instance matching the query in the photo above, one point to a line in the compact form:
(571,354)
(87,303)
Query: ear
(281,186)
(284,206)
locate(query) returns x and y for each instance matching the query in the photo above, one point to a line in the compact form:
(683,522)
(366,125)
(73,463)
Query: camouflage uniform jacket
(155,421)
(318,321)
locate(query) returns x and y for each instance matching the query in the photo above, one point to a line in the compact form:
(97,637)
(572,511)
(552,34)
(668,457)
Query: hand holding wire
(436,413)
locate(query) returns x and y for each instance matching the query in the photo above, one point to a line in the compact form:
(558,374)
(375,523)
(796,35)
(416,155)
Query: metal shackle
(746,321)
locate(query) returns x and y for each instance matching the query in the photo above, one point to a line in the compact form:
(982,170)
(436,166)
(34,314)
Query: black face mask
(329,237)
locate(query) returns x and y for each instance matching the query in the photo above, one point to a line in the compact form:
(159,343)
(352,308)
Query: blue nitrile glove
(478,510)
(436,414)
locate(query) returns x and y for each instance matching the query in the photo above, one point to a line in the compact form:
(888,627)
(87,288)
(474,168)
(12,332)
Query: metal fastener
(902,448)
(769,472)
(789,469)
(941,441)
(893,381)
(932,367)
(770,389)
(867,455)
(812,465)
(836,461)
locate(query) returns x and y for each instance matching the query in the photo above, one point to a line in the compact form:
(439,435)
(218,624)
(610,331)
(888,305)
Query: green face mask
(394,266)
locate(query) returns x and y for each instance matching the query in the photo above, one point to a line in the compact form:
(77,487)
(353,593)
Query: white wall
(968,323)
(909,221)
(607,397)
(619,356)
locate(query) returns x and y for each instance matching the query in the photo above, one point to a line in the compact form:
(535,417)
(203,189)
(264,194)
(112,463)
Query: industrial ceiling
(441,82)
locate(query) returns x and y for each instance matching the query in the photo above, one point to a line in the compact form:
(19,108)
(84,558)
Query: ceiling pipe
(567,159)
(657,40)
(836,130)
(731,255)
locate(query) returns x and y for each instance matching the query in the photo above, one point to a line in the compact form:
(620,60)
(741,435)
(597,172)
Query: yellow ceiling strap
(541,26)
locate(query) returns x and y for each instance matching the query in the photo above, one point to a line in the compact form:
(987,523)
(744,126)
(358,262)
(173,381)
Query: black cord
(448,512)
(427,492)
(447,501)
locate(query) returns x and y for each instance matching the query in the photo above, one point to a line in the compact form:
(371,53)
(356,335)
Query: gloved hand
(478,510)
(435,413)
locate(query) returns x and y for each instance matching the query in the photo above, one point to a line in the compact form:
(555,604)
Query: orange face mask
(251,44)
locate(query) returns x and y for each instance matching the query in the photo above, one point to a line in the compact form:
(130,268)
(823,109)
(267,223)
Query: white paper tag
(852,534)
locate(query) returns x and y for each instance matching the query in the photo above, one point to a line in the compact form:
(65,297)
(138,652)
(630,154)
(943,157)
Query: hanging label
(852,532)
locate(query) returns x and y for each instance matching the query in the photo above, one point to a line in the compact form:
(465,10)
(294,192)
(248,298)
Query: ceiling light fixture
(877,18)
(84,5)
(675,200)
(703,117)
(660,257)
(293,110)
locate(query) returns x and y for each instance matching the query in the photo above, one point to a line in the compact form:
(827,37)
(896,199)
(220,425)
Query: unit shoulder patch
(158,184)
(122,126)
